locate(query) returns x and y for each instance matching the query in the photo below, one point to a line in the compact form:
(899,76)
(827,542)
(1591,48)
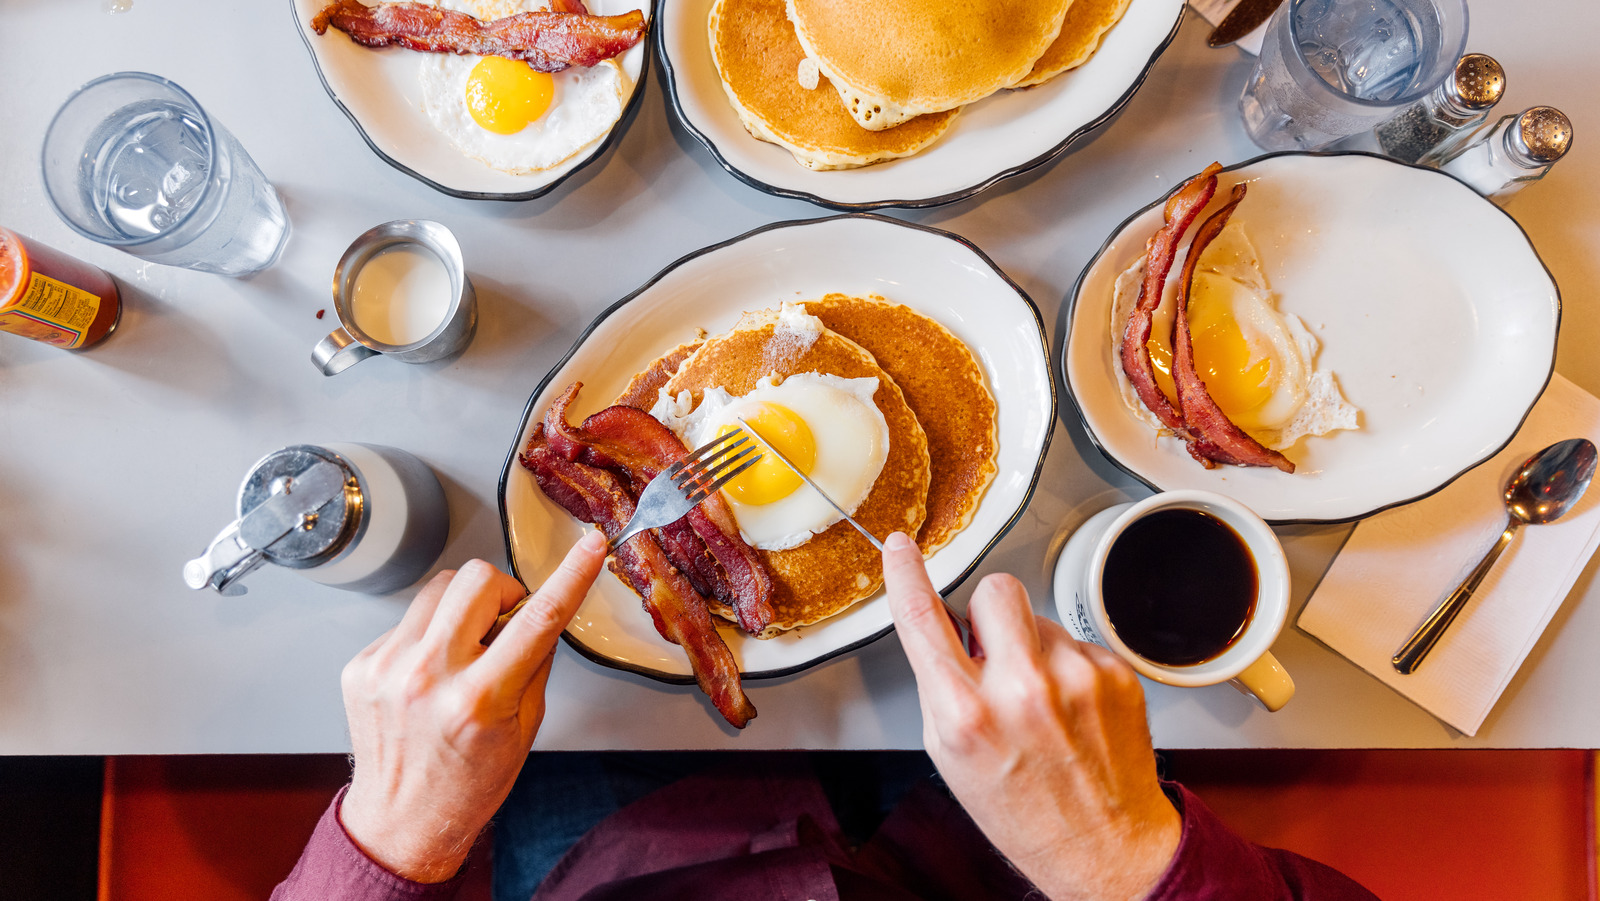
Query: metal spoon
(1544,489)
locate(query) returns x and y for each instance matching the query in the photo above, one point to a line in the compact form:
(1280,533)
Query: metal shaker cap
(324,523)
(1477,83)
(1540,136)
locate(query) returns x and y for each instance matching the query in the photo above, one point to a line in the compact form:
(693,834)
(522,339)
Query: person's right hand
(1043,739)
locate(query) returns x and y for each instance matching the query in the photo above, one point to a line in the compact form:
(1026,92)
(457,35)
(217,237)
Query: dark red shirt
(768,834)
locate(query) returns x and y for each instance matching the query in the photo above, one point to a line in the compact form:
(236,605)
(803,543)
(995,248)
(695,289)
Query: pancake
(758,58)
(944,385)
(643,387)
(838,567)
(895,59)
(1086,22)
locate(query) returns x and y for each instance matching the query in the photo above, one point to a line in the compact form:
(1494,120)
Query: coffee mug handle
(338,352)
(1267,680)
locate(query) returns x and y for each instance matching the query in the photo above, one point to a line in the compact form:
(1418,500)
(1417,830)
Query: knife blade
(963,626)
(815,487)
(1243,19)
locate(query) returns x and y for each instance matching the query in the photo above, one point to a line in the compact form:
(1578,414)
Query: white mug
(1247,663)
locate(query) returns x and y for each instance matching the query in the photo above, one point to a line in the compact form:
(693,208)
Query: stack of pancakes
(942,438)
(841,84)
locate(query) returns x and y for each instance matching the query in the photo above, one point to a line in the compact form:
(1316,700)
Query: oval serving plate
(1434,312)
(934,272)
(379,90)
(999,136)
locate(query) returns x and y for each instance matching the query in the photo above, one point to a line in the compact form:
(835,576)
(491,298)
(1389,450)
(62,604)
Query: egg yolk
(1222,358)
(504,95)
(769,480)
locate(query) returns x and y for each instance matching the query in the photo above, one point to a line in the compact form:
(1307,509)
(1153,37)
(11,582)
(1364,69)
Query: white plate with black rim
(999,136)
(934,272)
(379,90)
(1433,310)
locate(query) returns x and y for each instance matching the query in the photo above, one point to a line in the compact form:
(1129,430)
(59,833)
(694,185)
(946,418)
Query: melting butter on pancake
(895,59)
(837,568)
(944,384)
(758,59)
(1086,22)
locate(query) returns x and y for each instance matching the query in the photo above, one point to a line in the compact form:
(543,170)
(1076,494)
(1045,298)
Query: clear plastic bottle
(1498,160)
(1458,104)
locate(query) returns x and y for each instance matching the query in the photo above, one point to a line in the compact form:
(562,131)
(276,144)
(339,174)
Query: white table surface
(119,464)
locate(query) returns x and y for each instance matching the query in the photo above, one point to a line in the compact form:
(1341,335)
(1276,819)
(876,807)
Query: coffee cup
(1189,587)
(400,290)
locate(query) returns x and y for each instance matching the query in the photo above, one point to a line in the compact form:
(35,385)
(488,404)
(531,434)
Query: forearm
(332,866)
(1212,862)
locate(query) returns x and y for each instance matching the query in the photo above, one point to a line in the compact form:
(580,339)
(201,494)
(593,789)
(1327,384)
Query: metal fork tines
(680,487)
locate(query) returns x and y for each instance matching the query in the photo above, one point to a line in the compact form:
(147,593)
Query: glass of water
(132,161)
(1333,68)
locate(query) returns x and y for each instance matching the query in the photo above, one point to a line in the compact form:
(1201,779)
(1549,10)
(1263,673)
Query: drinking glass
(1333,68)
(133,162)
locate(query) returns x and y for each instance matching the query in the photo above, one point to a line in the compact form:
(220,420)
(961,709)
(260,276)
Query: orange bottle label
(50,311)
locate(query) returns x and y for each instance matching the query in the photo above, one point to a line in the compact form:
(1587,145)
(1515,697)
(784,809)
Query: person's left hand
(440,724)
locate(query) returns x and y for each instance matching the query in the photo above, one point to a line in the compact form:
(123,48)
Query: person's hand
(439,724)
(1043,740)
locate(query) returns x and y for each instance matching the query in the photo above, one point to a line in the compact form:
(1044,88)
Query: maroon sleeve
(332,866)
(1214,864)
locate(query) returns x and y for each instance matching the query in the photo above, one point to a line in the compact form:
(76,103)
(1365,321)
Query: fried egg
(828,426)
(509,117)
(1258,363)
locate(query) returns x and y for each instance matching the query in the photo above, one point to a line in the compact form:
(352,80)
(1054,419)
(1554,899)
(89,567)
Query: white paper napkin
(1400,563)
(1214,11)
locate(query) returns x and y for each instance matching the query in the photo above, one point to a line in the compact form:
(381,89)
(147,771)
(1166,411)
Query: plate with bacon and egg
(481,99)
(894,363)
(1317,335)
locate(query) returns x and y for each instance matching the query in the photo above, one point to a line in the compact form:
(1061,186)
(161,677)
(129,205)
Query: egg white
(852,439)
(587,102)
(1305,399)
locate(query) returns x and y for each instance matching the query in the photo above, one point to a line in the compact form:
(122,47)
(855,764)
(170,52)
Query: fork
(682,486)
(674,492)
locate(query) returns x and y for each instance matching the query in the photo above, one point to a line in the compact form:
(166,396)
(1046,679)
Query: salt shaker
(361,517)
(1458,104)
(1498,160)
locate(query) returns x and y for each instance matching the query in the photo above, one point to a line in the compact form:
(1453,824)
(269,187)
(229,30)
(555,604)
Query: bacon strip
(1212,438)
(635,444)
(680,614)
(549,40)
(1162,247)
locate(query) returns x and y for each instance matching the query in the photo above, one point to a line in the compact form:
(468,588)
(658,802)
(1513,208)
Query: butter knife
(1241,20)
(963,627)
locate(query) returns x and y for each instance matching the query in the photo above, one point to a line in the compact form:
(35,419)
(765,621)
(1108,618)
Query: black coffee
(1179,587)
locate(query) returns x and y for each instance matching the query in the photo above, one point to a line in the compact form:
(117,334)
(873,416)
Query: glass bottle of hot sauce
(51,297)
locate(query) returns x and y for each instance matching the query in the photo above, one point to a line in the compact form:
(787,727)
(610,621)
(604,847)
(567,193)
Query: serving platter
(935,272)
(379,91)
(1002,135)
(1433,310)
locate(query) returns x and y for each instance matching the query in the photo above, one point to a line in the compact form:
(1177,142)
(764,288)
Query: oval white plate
(379,91)
(932,271)
(1007,133)
(1434,312)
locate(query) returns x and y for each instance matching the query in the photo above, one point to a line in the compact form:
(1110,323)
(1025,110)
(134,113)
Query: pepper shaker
(1458,104)
(1498,160)
(361,517)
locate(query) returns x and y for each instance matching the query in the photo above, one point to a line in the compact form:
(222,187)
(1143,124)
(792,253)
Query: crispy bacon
(679,612)
(1162,247)
(631,442)
(548,40)
(1212,436)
